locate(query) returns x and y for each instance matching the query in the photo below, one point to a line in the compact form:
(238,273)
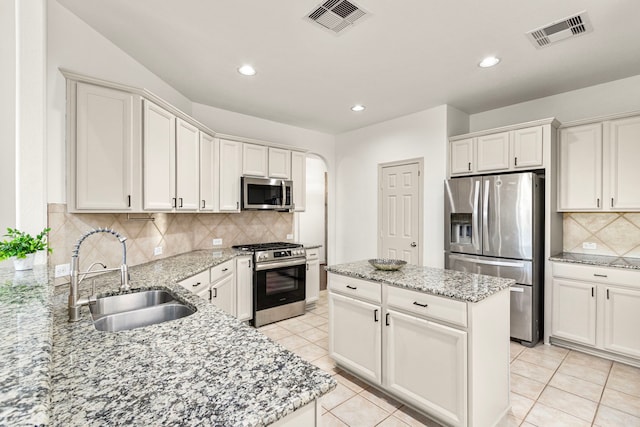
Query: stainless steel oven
(279,280)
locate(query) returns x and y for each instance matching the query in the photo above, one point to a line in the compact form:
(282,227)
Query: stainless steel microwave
(266,193)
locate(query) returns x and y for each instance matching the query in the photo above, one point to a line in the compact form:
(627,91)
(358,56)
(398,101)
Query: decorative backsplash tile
(175,232)
(613,233)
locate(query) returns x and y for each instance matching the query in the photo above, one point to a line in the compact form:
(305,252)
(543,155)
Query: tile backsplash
(175,232)
(613,233)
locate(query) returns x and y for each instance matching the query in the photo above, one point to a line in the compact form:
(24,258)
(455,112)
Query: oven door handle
(279,264)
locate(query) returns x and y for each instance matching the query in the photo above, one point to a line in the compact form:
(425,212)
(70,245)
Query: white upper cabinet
(624,164)
(527,147)
(187,166)
(230,172)
(493,152)
(299,178)
(104,149)
(254,160)
(510,150)
(580,169)
(279,163)
(209,148)
(598,168)
(159,141)
(461,156)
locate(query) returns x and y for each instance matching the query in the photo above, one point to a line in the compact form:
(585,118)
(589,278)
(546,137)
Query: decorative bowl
(387,264)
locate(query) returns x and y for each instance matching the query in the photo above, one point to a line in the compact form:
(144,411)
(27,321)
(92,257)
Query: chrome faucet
(75,302)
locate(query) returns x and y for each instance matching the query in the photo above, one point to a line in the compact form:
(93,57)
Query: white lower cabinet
(355,339)
(426,363)
(244,288)
(312,287)
(223,294)
(446,358)
(597,308)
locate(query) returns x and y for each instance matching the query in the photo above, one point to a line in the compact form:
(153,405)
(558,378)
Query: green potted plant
(22,247)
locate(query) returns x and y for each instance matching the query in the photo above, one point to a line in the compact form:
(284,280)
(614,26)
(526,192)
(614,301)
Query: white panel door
(223,294)
(230,168)
(104,148)
(254,160)
(355,336)
(580,168)
(208,173)
(624,164)
(621,321)
(426,364)
(461,155)
(244,288)
(299,178)
(187,166)
(493,152)
(574,311)
(159,147)
(527,147)
(279,163)
(401,198)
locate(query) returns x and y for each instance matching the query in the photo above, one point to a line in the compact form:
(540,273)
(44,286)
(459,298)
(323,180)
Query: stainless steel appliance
(279,278)
(494,225)
(265,193)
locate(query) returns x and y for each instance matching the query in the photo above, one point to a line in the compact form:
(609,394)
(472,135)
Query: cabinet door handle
(515,161)
(597,202)
(203,204)
(593,294)
(307,266)
(469,166)
(607,293)
(237,205)
(196,284)
(129,201)
(210,294)
(420,305)
(225,269)
(180,202)
(386,319)
(600,275)
(375,315)
(612,202)
(173,202)
(215,292)
(352,287)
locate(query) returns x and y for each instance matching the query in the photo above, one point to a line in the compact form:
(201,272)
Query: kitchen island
(207,368)
(437,340)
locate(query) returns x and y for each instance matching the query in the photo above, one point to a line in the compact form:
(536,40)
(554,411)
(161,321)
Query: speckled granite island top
(448,283)
(204,369)
(597,260)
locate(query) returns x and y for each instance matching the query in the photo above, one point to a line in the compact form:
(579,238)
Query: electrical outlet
(157,250)
(289,236)
(589,245)
(217,242)
(62,270)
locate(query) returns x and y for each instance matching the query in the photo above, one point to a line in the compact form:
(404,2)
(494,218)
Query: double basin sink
(136,310)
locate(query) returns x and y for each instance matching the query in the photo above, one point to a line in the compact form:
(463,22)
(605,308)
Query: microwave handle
(284,194)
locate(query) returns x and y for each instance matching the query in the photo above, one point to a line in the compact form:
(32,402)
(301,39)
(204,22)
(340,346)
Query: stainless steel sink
(135,310)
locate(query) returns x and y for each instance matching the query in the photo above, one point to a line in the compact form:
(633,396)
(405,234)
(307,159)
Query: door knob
(413,244)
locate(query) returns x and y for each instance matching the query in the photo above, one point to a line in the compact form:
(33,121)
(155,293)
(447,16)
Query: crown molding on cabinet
(599,119)
(551,120)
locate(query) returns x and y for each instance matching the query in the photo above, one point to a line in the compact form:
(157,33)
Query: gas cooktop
(267,246)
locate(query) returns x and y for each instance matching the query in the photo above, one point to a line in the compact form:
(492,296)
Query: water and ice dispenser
(461,228)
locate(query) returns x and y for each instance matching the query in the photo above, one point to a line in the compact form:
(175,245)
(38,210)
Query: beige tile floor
(550,386)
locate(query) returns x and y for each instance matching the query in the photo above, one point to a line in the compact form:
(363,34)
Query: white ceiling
(407,56)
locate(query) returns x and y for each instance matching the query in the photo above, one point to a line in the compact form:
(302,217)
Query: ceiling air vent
(563,29)
(336,15)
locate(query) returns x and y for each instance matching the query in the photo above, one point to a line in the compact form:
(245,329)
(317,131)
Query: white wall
(619,96)
(75,46)
(358,153)
(310,223)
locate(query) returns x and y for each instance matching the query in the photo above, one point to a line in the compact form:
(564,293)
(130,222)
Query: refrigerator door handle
(486,262)
(476,213)
(485,216)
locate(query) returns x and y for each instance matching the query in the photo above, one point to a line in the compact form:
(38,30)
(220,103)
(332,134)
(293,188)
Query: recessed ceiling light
(358,107)
(489,61)
(247,70)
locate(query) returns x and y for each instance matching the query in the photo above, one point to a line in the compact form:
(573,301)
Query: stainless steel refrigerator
(494,225)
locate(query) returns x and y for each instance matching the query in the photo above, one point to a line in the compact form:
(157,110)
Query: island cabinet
(446,358)
(597,309)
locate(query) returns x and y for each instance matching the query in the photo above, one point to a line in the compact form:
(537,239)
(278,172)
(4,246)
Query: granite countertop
(447,283)
(597,260)
(207,368)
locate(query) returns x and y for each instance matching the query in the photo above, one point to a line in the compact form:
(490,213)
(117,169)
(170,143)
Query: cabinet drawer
(619,276)
(221,270)
(355,287)
(197,283)
(427,305)
(313,253)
